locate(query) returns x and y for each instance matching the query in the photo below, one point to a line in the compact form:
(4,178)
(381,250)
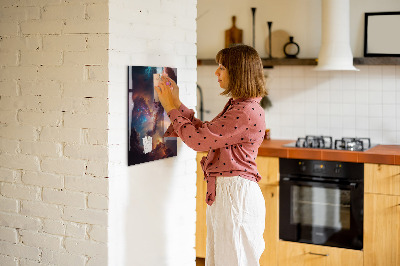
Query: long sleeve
(233,127)
(187,113)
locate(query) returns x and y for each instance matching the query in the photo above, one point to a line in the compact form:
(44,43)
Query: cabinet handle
(319,254)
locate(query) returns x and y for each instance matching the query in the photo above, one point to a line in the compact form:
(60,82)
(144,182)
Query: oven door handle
(319,182)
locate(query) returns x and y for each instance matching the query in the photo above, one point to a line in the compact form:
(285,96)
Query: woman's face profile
(223,76)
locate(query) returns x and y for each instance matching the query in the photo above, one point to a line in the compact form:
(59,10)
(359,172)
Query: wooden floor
(200,262)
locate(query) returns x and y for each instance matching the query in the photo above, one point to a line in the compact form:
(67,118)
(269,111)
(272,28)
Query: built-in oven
(321,202)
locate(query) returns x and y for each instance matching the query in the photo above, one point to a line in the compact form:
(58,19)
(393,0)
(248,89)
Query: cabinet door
(299,254)
(381,230)
(271,232)
(268,168)
(382,179)
(201,205)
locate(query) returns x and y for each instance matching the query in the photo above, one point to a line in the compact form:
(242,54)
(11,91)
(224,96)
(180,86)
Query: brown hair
(245,69)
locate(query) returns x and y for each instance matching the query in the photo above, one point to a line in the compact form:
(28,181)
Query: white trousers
(235,223)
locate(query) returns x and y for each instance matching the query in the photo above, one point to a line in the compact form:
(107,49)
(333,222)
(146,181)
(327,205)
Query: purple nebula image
(147,120)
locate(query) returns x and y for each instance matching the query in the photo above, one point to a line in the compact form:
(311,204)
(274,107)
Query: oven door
(321,212)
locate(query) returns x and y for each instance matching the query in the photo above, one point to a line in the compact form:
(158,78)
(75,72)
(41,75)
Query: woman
(236,211)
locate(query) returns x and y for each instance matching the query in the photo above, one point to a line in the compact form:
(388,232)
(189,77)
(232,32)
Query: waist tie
(210,196)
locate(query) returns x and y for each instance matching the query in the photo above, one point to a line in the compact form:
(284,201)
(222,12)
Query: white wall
(152,205)
(301,19)
(337,103)
(53,133)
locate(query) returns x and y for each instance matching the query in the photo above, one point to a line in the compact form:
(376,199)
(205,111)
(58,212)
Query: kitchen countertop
(380,154)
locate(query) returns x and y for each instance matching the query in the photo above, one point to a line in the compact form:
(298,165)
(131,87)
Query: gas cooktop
(326,142)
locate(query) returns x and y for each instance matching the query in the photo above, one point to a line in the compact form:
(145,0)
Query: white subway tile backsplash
(389,110)
(367,102)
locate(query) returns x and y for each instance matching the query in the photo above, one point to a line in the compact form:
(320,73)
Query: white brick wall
(53,132)
(152,205)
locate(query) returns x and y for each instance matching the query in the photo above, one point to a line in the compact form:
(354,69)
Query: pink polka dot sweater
(232,139)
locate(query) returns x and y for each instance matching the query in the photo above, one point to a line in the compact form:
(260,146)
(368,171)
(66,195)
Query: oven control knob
(338,170)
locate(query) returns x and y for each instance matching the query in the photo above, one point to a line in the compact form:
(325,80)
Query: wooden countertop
(380,154)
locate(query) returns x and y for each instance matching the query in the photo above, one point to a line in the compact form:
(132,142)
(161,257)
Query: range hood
(335,52)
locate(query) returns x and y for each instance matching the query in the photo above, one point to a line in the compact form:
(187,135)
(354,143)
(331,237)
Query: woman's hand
(165,96)
(175,90)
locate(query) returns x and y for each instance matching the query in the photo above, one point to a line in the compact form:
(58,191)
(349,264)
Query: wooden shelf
(269,63)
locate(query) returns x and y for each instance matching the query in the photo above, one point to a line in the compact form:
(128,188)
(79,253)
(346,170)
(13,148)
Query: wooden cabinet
(382,179)
(271,232)
(382,215)
(299,254)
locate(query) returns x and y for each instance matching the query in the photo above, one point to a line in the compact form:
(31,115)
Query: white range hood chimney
(335,53)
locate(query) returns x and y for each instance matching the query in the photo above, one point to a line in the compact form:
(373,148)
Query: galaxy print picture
(147,120)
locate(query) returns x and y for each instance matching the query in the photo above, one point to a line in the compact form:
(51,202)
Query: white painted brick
(43,179)
(98,42)
(19,191)
(61,104)
(98,261)
(40,209)
(86,89)
(18,132)
(63,166)
(97,202)
(8,234)
(97,169)
(68,42)
(68,198)
(41,27)
(39,88)
(62,258)
(41,148)
(9,58)
(8,146)
(187,75)
(95,136)
(97,73)
(18,13)
(23,43)
(186,23)
(68,12)
(87,152)
(8,88)
(62,73)
(28,73)
(61,134)
(7,175)
(89,216)
(8,29)
(185,48)
(98,233)
(40,118)
(8,260)
(86,26)
(31,103)
(20,161)
(54,227)
(26,262)
(85,121)
(97,11)
(76,230)
(8,205)
(8,117)
(96,105)
(191,61)
(35,239)
(20,221)
(85,247)
(91,57)
(48,58)
(19,251)
(87,184)
(39,2)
